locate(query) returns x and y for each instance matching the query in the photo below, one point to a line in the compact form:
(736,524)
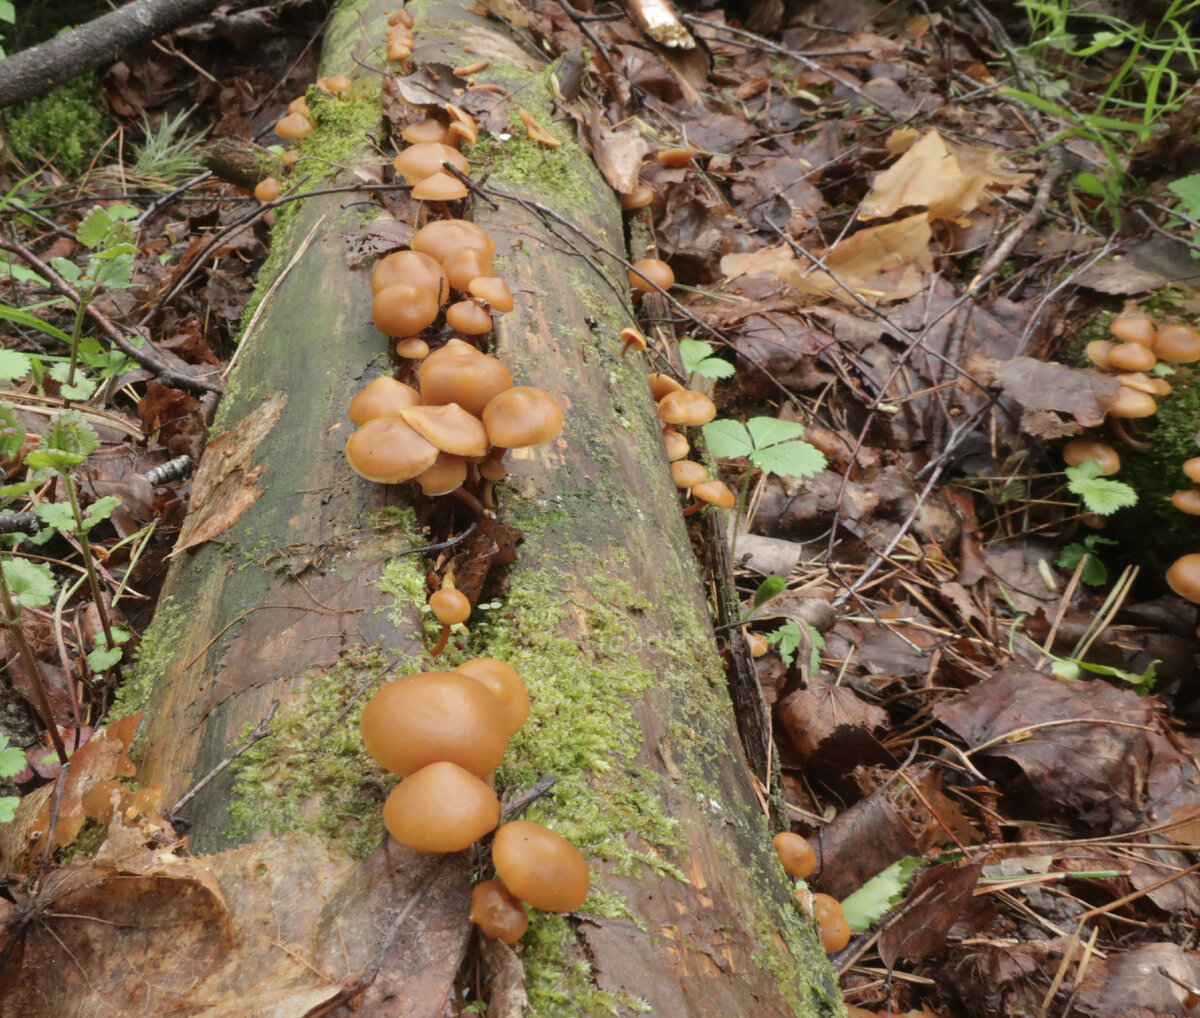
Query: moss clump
(159,648)
(64,128)
(312,773)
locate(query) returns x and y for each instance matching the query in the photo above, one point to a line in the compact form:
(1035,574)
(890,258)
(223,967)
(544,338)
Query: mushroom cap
(497,913)
(539,866)
(469,317)
(522,416)
(506,685)
(462,124)
(382,397)
(686,407)
(466,264)
(440,186)
(835,934)
(448,427)
(443,236)
(1146,383)
(424,131)
(686,473)
(1179,344)
(662,385)
(293,126)
(715,492)
(650,271)
(338,84)
(632,337)
(758,644)
(1128,402)
(1134,328)
(447,474)
(450,606)
(400,17)
(1080,449)
(1184,577)
(677,157)
(1187,501)
(404,309)
(1098,351)
(677,445)
(300,105)
(267,189)
(410,267)
(494,290)
(795,853)
(387,451)
(641,196)
(412,349)
(493,469)
(433,716)
(424,159)
(440,808)
(1131,357)
(459,373)
(1192,468)
(399,48)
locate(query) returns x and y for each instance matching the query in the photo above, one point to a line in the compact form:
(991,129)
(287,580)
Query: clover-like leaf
(12,758)
(1101,495)
(697,358)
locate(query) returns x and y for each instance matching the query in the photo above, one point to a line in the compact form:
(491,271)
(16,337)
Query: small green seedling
(1101,495)
(879,895)
(697,359)
(1095,572)
(12,762)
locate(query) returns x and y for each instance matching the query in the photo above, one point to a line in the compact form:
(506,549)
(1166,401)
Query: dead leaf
(1045,390)
(225,485)
(813,715)
(618,153)
(919,928)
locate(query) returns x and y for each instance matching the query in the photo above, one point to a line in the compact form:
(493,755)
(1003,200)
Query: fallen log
(296,590)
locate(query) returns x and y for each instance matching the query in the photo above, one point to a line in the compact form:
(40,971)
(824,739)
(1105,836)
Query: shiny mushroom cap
(410,267)
(494,290)
(522,416)
(641,196)
(506,685)
(1179,344)
(443,236)
(649,274)
(1184,577)
(1132,403)
(458,373)
(469,317)
(1131,357)
(387,451)
(715,493)
(1134,328)
(294,126)
(539,866)
(687,473)
(447,474)
(441,808)
(448,427)
(424,132)
(382,397)
(423,160)
(440,186)
(1080,449)
(686,407)
(404,309)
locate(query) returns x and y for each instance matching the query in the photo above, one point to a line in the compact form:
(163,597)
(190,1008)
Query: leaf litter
(835,230)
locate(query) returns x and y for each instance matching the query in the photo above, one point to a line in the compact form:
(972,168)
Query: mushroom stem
(442,640)
(470,501)
(695,507)
(1118,428)
(486,490)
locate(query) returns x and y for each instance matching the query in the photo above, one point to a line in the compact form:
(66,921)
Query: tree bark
(308,596)
(40,69)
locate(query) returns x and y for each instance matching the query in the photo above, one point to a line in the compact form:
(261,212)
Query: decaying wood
(286,589)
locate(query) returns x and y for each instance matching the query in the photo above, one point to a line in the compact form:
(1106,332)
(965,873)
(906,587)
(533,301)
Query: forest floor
(896,227)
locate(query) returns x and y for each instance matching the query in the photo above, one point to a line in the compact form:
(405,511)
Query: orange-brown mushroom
(404,309)
(440,186)
(710,493)
(411,267)
(493,290)
(1179,344)
(459,373)
(387,451)
(1131,357)
(796,854)
(440,808)
(1184,577)
(469,317)
(522,416)
(686,407)
(382,397)
(449,427)
(539,866)
(497,912)
(451,608)
(267,189)
(417,162)
(1134,328)
(506,685)
(641,196)
(651,274)
(294,126)
(1080,449)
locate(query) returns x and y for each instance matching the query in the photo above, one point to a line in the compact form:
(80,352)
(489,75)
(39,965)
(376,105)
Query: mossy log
(308,596)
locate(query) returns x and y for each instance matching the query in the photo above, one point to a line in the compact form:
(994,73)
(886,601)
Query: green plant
(168,154)
(697,359)
(1101,495)
(1095,572)
(64,128)
(12,762)
(8,14)
(787,638)
(879,895)
(767,444)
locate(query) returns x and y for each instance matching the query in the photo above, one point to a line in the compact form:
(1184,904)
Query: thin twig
(260,731)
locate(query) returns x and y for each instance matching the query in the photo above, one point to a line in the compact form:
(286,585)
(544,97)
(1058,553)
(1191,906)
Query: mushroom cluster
(680,407)
(1137,346)
(1183,576)
(799,861)
(445,733)
(400,36)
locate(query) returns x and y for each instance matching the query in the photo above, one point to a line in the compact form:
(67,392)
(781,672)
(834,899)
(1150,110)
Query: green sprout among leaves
(788,637)
(697,359)
(1095,572)
(1101,495)
(12,762)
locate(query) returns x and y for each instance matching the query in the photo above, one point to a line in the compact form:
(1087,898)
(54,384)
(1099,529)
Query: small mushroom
(1134,328)
(680,156)
(493,290)
(469,317)
(1098,351)
(641,196)
(459,373)
(710,493)
(686,407)
(677,445)
(506,685)
(1187,501)
(522,416)
(687,473)
(466,264)
(404,309)
(1080,449)
(447,474)
(497,913)
(412,349)
(294,126)
(382,397)
(1131,403)
(440,186)
(661,385)
(451,608)
(423,160)
(387,451)
(633,339)
(425,131)
(449,427)
(1131,357)
(267,189)
(539,866)
(411,267)
(1191,469)
(1184,577)
(796,854)
(1179,344)
(650,275)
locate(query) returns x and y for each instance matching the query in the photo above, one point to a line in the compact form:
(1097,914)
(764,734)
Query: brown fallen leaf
(1045,391)
(536,132)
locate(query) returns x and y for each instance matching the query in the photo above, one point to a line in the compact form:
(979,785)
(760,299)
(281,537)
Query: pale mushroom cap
(1184,577)
(300,105)
(382,397)
(1179,344)
(715,492)
(448,427)
(1080,449)
(1136,328)
(423,160)
(387,451)
(686,407)
(440,186)
(522,416)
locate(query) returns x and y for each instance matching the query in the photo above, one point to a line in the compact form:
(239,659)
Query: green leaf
(8,808)
(765,431)
(101,659)
(769,587)
(30,583)
(31,322)
(116,274)
(697,358)
(785,640)
(67,269)
(13,365)
(40,459)
(727,439)
(877,896)
(94,228)
(12,432)
(57,515)
(70,432)
(1095,573)
(1143,683)
(99,511)
(790,459)
(1187,190)
(1100,494)
(82,389)
(818,642)
(12,758)
(8,12)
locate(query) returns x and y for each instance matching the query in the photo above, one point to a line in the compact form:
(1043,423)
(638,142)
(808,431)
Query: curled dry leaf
(536,132)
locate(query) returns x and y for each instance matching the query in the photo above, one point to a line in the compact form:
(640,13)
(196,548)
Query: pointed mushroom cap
(462,124)
(716,493)
(686,407)
(300,105)
(387,451)
(293,126)
(1184,577)
(410,267)
(458,373)
(440,808)
(1134,328)
(382,397)
(424,159)
(661,385)
(440,186)
(522,416)
(449,427)
(494,290)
